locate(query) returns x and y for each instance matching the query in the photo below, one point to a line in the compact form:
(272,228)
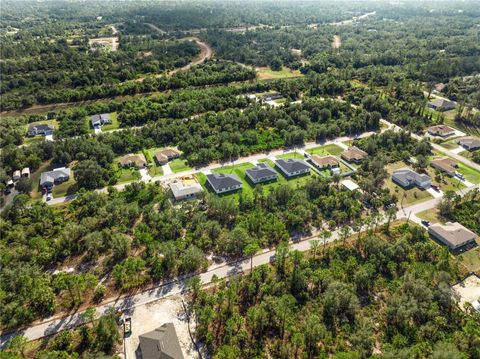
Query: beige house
(446,165)
(133,160)
(354,154)
(454,235)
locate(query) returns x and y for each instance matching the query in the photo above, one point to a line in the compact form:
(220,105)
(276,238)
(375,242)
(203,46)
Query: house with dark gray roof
(272,96)
(161,343)
(407,177)
(99,120)
(42,129)
(261,173)
(441,104)
(56,176)
(454,235)
(292,167)
(469,143)
(224,182)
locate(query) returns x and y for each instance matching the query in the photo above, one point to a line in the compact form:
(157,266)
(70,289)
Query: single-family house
(354,154)
(224,182)
(469,143)
(446,165)
(56,176)
(407,177)
(185,188)
(261,173)
(165,155)
(292,167)
(42,129)
(99,120)
(441,130)
(326,162)
(272,96)
(441,105)
(129,160)
(161,343)
(16,175)
(454,235)
(25,172)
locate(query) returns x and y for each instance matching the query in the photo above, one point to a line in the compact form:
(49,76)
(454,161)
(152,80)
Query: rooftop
(469,141)
(454,233)
(185,186)
(138,159)
(408,175)
(161,343)
(223,180)
(350,185)
(261,170)
(441,130)
(324,161)
(354,153)
(292,165)
(446,164)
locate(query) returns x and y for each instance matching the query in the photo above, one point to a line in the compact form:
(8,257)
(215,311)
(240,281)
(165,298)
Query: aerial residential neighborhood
(240,179)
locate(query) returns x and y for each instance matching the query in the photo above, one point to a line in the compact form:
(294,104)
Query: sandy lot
(337,42)
(468,290)
(146,318)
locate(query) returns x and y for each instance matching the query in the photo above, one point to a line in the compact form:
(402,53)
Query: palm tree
(314,244)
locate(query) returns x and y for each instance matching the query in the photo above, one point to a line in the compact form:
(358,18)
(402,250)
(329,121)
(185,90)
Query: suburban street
(127,304)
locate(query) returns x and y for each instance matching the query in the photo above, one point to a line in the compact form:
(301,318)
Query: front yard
(331,149)
(179,165)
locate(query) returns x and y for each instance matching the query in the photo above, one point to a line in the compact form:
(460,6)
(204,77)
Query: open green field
(326,150)
(112,126)
(445,182)
(470,174)
(471,259)
(291,155)
(179,165)
(431,215)
(266,73)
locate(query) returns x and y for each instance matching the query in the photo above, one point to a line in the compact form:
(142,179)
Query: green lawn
(114,125)
(470,174)
(179,165)
(449,145)
(326,150)
(127,175)
(293,155)
(471,259)
(247,188)
(266,73)
(62,189)
(431,215)
(445,182)
(155,170)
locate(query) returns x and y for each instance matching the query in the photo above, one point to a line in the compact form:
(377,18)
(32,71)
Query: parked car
(459,175)
(426,223)
(127,327)
(436,187)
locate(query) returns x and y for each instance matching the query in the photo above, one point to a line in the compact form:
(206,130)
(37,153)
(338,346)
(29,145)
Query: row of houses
(161,157)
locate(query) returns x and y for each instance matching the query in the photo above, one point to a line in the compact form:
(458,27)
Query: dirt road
(206,52)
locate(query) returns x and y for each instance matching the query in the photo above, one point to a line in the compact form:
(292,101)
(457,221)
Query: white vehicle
(459,175)
(49,196)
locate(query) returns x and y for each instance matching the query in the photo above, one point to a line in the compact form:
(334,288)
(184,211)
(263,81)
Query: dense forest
(383,294)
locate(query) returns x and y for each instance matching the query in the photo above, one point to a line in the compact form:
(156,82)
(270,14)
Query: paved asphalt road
(129,303)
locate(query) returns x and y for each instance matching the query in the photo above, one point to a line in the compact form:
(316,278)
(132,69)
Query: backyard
(265,73)
(331,149)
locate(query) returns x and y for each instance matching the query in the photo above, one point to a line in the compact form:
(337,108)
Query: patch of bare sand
(146,318)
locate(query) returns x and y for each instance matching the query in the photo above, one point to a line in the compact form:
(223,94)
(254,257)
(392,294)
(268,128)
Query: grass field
(470,174)
(292,155)
(62,189)
(112,126)
(326,150)
(431,215)
(155,170)
(265,73)
(179,165)
(471,259)
(127,175)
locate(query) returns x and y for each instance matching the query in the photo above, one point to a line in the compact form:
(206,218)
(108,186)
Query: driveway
(166,169)
(145,176)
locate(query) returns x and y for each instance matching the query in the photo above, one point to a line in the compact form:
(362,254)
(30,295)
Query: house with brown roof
(130,160)
(454,235)
(165,155)
(326,162)
(446,165)
(441,130)
(354,154)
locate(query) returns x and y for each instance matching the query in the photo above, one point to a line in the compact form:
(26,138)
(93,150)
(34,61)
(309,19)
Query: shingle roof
(445,164)
(139,160)
(453,233)
(442,103)
(161,343)
(354,153)
(324,161)
(292,165)
(99,117)
(223,180)
(52,176)
(471,142)
(260,171)
(408,175)
(441,130)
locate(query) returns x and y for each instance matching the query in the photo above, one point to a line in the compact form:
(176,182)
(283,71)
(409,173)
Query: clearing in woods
(337,42)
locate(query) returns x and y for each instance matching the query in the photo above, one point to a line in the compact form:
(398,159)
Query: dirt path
(337,42)
(205,53)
